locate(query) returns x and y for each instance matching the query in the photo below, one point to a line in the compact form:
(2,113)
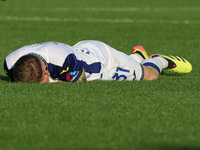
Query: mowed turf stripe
(13,18)
(116,9)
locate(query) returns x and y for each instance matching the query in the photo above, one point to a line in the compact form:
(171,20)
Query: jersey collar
(39,56)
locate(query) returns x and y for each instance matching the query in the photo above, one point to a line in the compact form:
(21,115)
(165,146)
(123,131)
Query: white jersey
(96,59)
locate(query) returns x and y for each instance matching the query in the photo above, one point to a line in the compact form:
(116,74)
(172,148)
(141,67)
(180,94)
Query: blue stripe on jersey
(92,68)
(73,67)
(153,66)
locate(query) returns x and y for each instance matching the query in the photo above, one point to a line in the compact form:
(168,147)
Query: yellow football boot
(176,63)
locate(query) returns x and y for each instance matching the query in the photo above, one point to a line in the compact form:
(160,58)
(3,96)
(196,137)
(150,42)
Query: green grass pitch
(161,114)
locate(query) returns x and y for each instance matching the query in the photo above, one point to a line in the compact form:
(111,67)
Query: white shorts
(115,64)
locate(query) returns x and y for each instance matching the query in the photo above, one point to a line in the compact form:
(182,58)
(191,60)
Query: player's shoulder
(58,47)
(44,44)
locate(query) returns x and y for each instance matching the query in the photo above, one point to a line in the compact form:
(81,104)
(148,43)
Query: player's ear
(45,78)
(45,75)
(43,67)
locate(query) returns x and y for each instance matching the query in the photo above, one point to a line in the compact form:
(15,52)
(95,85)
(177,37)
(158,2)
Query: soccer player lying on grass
(87,61)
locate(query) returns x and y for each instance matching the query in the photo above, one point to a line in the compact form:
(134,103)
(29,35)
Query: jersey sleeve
(72,70)
(9,72)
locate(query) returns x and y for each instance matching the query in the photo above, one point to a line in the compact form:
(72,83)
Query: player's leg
(150,73)
(159,62)
(139,54)
(116,64)
(153,66)
(174,63)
